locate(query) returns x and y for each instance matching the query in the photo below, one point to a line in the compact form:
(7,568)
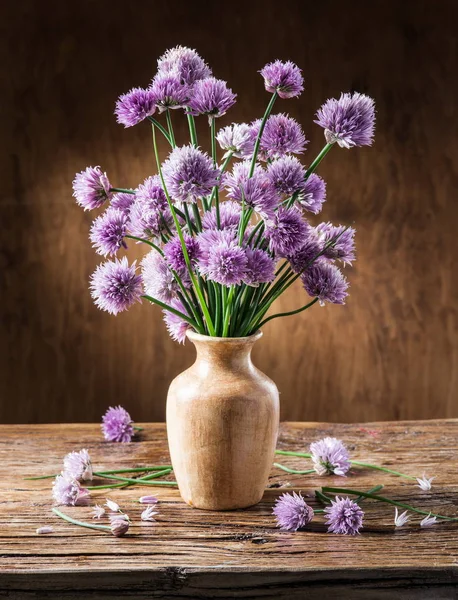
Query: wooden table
(198,554)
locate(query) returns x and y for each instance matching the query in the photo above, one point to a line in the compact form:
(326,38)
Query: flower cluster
(227,234)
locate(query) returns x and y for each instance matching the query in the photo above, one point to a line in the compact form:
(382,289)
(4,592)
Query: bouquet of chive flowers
(228,229)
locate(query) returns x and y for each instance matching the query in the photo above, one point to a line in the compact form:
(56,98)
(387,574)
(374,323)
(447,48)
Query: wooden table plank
(240,554)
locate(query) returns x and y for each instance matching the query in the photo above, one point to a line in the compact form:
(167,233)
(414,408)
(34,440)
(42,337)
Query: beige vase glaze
(222,425)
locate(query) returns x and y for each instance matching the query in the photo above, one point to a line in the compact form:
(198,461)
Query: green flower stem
(192,130)
(373,490)
(322,497)
(161,129)
(199,293)
(369,466)
(137,482)
(336,490)
(136,470)
(215,192)
(287,314)
(290,453)
(80,523)
(168,118)
(170,309)
(195,210)
(227,311)
(288,470)
(122,190)
(222,169)
(317,160)
(137,239)
(141,480)
(261,131)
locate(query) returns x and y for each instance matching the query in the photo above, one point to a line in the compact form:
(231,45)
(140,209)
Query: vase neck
(224,353)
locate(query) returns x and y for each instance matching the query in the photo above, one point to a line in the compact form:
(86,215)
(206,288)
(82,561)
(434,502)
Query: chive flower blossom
(292,512)
(313,194)
(149,215)
(285,78)
(256,192)
(174,255)
(176,325)
(326,282)
(148,514)
(229,216)
(186,63)
(349,121)
(211,97)
(123,201)
(158,279)
(189,174)
(343,248)
(115,286)
(117,425)
(259,268)
(237,139)
(307,253)
(287,175)
(135,106)
(91,188)
(169,92)
(330,457)
(108,231)
(344,516)
(282,135)
(225,264)
(287,231)
(78,465)
(119,526)
(67,491)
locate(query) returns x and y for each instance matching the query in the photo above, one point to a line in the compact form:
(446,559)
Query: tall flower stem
(287,314)
(192,130)
(170,127)
(336,490)
(161,129)
(215,192)
(199,293)
(170,309)
(65,517)
(138,239)
(317,160)
(122,190)
(260,132)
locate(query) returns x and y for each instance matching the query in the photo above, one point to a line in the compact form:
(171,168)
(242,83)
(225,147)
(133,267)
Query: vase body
(222,425)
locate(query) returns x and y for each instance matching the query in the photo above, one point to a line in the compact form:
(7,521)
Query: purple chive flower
(313,194)
(285,78)
(117,426)
(307,254)
(326,282)
(44,530)
(292,512)
(236,139)
(108,231)
(98,512)
(344,516)
(287,231)
(349,121)
(225,264)
(260,267)
(148,500)
(229,216)
(282,135)
(158,279)
(287,175)
(176,326)
(67,491)
(330,456)
(256,192)
(91,188)
(173,252)
(119,526)
(209,239)
(189,174)
(343,248)
(134,107)
(149,214)
(148,514)
(112,505)
(115,286)
(428,521)
(151,192)
(186,63)
(211,97)
(77,465)
(123,201)
(168,91)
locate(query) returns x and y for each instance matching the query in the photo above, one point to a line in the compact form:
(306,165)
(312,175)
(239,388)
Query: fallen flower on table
(118,527)
(67,491)
(330,457)
(425,483)
(112,505)
(400,519)
(148,500)
(98,512)
(148,514)
(78,465)
(45,529)
(344,516)
(428,521)
(292,512)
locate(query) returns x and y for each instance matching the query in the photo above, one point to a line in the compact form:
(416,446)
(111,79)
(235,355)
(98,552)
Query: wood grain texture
(237,554)
(390,353)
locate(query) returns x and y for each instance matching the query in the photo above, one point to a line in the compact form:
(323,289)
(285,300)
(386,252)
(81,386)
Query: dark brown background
(391,352)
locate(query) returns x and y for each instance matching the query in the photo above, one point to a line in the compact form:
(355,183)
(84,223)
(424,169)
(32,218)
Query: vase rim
(194,336)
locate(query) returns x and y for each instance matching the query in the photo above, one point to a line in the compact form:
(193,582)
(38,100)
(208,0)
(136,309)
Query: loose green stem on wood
(288,470)
(80,523)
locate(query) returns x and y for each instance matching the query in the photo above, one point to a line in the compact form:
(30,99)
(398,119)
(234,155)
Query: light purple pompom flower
(134,107)
(123,201)
(149,214)
(229,216)
(287,231)
(349,121)
(185,62)
(285,78)
(256,192)
(173,252)
(307,254)
(151,192)
(225,264)
(189,174)
(330,457)
(282,135)
(313,194)
(344,247)
(91,188)
(210,238)
(117,425)
(169,92)
(119,526)
(68,492)
(115,286)
(344,516)
(78,465)
(108,231)
(158,279)
(326,282)
(237,139)
(260,267)
(287,175)
(211,97)
(176,326)
(292,512)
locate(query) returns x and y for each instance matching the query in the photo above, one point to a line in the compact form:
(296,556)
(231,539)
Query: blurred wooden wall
(390,353)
